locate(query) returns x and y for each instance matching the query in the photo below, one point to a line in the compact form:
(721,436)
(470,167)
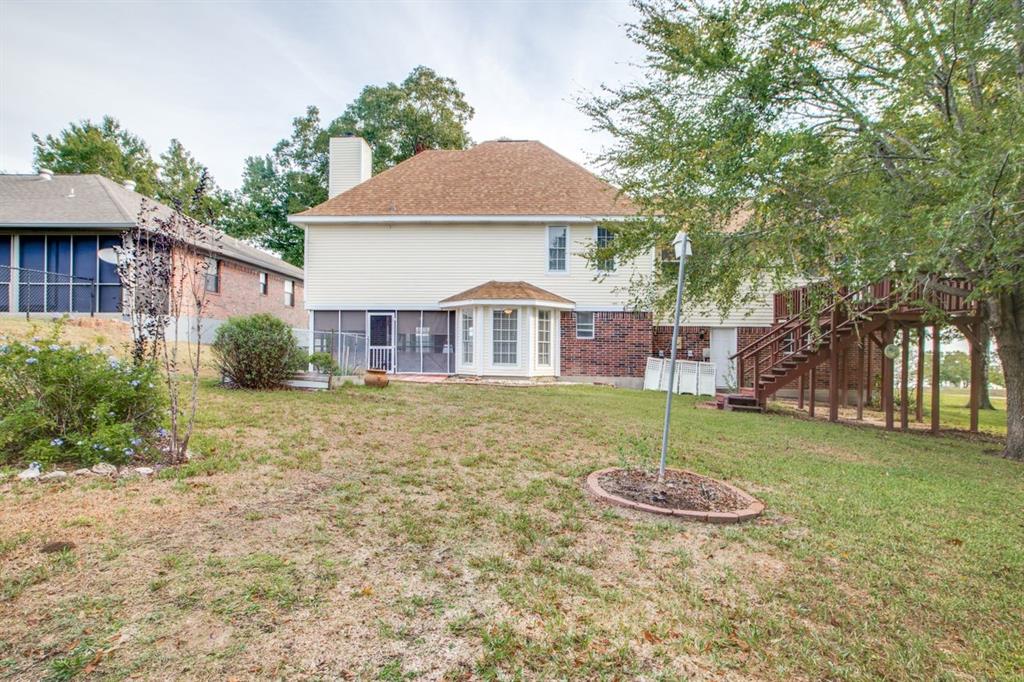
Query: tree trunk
(984,350)
(1007,320)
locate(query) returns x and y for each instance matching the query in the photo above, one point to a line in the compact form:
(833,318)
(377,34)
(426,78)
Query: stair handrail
(777,330)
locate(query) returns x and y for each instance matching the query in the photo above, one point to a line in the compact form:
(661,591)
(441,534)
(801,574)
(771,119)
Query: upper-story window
(603,238)
(213,275)
(263,283)
(289,293)
(558,249)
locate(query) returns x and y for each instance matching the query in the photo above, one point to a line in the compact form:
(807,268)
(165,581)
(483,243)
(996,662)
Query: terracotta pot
(376,377)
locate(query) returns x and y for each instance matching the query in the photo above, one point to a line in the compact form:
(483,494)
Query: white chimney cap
(45,174)
(129,185)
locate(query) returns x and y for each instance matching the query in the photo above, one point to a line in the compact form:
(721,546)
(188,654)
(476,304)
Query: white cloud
(227,78)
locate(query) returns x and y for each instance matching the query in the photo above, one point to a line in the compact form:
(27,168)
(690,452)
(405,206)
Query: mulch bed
(681,490)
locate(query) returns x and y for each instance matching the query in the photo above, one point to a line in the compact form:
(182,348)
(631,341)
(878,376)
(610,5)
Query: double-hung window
(289,293)
(467,337)
(263,284)
(558,249)
(603,238)
(212,275)
(544,338)
(584,325)
(505,333)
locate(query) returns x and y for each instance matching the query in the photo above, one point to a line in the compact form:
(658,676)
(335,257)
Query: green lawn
(441,531)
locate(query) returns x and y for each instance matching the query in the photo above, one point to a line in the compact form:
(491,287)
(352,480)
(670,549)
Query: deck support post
(803,389)
(811,397)
(860,379)
(919,412)
(976,378)
(935,379)
(887,378)
(905,378)
(833,368)
(867,373)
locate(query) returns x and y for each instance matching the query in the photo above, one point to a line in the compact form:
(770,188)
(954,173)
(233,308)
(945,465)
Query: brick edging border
(754,507)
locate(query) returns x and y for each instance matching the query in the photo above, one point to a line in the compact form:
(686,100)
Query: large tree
(104,148)
(184,183)
(857,140)
(425,111)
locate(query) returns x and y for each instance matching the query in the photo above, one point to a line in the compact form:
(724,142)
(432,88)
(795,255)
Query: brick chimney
(351,162)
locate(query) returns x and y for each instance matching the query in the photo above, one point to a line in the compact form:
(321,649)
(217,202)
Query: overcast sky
(226,78)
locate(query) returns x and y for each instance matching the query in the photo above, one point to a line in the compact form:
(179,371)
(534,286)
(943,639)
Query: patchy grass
(433,531)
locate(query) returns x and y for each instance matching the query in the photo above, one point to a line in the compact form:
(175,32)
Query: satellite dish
(108,255)
(891,351)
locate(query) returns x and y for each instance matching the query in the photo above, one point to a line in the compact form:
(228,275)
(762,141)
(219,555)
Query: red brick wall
(694,340)
(620,347)
(240,295)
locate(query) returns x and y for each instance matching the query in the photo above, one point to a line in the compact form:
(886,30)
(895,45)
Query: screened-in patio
(397,341)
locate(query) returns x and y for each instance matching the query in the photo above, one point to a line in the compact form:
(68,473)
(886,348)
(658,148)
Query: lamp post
(681,244)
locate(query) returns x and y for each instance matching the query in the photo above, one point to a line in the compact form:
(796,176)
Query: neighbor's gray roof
(93,201)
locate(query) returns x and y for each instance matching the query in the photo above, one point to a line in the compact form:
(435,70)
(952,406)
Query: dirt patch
(680,490)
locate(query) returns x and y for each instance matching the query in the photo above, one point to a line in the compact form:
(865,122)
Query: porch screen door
(381,344)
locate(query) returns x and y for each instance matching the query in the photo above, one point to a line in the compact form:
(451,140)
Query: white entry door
(723,344)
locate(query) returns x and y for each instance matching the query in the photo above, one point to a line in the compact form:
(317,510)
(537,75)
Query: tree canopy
(109,150)
(425,111)
(832,140)
(104,148)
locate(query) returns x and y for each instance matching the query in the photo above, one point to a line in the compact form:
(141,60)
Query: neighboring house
(53,233)
(471,263)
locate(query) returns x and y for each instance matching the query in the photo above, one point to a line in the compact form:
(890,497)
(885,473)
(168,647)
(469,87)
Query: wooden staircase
(804,340)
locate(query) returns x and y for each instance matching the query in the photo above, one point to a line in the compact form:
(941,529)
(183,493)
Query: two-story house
(472,263)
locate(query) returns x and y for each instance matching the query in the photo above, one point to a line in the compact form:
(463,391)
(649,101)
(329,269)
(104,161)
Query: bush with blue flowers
(66,404)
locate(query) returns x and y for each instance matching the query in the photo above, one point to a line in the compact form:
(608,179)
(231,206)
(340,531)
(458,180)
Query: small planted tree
(162,264)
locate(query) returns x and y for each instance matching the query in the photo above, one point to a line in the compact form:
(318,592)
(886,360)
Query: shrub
(60,403)
(258,351)
(324,363)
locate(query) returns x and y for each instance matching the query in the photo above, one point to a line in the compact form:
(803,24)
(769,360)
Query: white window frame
(547,249)
(264,284)
(289,293)
(466,336)
(592,325)
(494,336)
(610,236)
(545,327)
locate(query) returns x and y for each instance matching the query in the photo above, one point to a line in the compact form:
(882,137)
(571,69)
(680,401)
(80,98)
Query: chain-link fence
(25,290)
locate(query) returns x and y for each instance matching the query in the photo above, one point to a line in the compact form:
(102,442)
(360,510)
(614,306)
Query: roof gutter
(449,219)
(461,303)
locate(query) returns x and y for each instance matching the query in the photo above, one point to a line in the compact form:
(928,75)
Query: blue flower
(113,362)
(4,348)
(97,446)
(57,442)
(136,441)
(161,432)
(32,349)
(129,452)
(54,346)
(31,361)
(135,383)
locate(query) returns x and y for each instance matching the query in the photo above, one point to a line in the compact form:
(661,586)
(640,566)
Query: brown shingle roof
(492,178)
(507,291)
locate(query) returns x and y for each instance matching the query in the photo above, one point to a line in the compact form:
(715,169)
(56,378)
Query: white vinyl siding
(368,266)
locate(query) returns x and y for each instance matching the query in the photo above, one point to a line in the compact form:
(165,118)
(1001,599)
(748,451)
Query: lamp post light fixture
(681,244)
